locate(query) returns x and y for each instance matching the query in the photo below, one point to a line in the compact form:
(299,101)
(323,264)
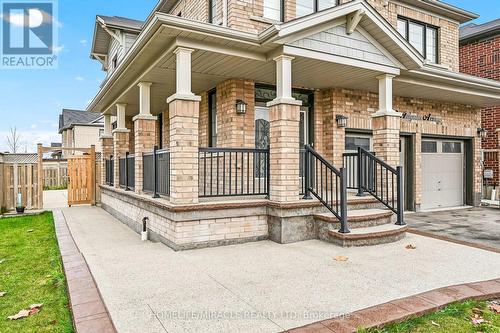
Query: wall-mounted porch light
(341,120)
(482,133)
(241,107)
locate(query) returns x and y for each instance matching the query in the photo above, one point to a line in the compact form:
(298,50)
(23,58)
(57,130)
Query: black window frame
(211,14)
(425,26)
(212,94)
(315,8)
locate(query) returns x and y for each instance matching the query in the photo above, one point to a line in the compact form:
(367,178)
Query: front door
(81,186)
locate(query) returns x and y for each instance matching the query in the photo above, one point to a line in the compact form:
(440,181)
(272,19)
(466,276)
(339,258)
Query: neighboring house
(234,91)
(480,56)
(80,129)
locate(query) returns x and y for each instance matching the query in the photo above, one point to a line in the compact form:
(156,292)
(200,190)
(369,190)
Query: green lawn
(455,318)
(31,272)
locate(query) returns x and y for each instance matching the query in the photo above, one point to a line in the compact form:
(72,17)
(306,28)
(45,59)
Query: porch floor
(262,286)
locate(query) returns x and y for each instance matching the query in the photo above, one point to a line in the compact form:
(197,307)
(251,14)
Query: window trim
(425,26)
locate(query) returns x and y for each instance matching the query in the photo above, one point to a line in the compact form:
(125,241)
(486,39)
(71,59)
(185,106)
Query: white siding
(336,41)
(85,136)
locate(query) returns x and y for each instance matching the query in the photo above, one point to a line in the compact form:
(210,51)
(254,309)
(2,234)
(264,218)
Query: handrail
(387,186)
(327,184)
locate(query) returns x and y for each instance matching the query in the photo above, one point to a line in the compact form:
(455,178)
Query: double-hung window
(305,7)
(423,37)
(273,10)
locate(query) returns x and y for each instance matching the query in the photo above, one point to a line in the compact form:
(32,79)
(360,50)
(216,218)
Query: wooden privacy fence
(19,174)
(55,173)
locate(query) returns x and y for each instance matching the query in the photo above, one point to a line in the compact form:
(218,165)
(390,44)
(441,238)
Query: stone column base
(284,152)
(121,139)
(184,117)
(144,136)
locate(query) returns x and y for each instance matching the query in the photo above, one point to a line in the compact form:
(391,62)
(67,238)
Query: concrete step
(381,234)
(358,218)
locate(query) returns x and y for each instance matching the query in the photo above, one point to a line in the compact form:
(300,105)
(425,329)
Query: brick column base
(120,148)
(107,151)
(145,139)
(284,152)
(386,138)
(184,123)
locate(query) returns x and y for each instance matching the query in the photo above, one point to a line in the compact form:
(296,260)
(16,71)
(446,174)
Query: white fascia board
(459,79)
(447,87)
(200,45)
(299,52)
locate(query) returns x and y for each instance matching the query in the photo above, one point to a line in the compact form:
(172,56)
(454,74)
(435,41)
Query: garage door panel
(442,179)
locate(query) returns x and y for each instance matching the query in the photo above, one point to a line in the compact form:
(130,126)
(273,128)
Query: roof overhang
(442,8)
(223,53)
(103,32)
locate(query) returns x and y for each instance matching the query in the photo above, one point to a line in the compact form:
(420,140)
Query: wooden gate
(81,180)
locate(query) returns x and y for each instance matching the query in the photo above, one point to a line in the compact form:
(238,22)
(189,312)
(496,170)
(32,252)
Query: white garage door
(442,173)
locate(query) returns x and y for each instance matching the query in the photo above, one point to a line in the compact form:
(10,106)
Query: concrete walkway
(55,199)
(258,287)
(478,225)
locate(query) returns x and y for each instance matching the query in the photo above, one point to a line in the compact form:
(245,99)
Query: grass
(32,273)
(55,188)
(455,318)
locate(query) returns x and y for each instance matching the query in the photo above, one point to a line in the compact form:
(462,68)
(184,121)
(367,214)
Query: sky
(31,100)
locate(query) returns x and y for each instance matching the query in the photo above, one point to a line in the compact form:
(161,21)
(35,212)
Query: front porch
(261,121)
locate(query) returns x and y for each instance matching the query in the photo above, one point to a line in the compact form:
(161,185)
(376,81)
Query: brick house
(287,120)
(480,56)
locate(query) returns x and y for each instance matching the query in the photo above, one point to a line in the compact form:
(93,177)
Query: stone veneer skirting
(208,224)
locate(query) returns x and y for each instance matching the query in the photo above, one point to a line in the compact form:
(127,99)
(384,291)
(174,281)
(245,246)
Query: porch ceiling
(209,69)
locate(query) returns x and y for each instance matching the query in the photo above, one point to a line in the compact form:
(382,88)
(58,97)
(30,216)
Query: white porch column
(386,124)
(120,116)
(121,136)
(183,112)
(284,117)
(144,132)
(145,98)
(107,125)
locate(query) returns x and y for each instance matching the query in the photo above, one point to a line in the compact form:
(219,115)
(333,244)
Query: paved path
(479,225)
(258,287)
(55,199)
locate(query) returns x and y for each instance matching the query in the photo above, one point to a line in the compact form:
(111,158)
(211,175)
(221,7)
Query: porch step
(381,234)
(358,218)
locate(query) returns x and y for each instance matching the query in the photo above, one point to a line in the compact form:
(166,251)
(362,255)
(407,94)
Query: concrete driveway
(478,225)
(261,286)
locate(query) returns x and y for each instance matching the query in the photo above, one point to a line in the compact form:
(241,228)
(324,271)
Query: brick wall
(191,9)
(482,58)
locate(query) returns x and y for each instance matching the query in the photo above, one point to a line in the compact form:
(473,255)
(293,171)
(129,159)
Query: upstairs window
(305,7)
(273,10)
(212,11)
(423,37)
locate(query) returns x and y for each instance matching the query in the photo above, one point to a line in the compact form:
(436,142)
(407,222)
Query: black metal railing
(233,172)
(127,172)
(350,161)
(156,172)
(382,181)
(327,184)
(109,170)
(302,168)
